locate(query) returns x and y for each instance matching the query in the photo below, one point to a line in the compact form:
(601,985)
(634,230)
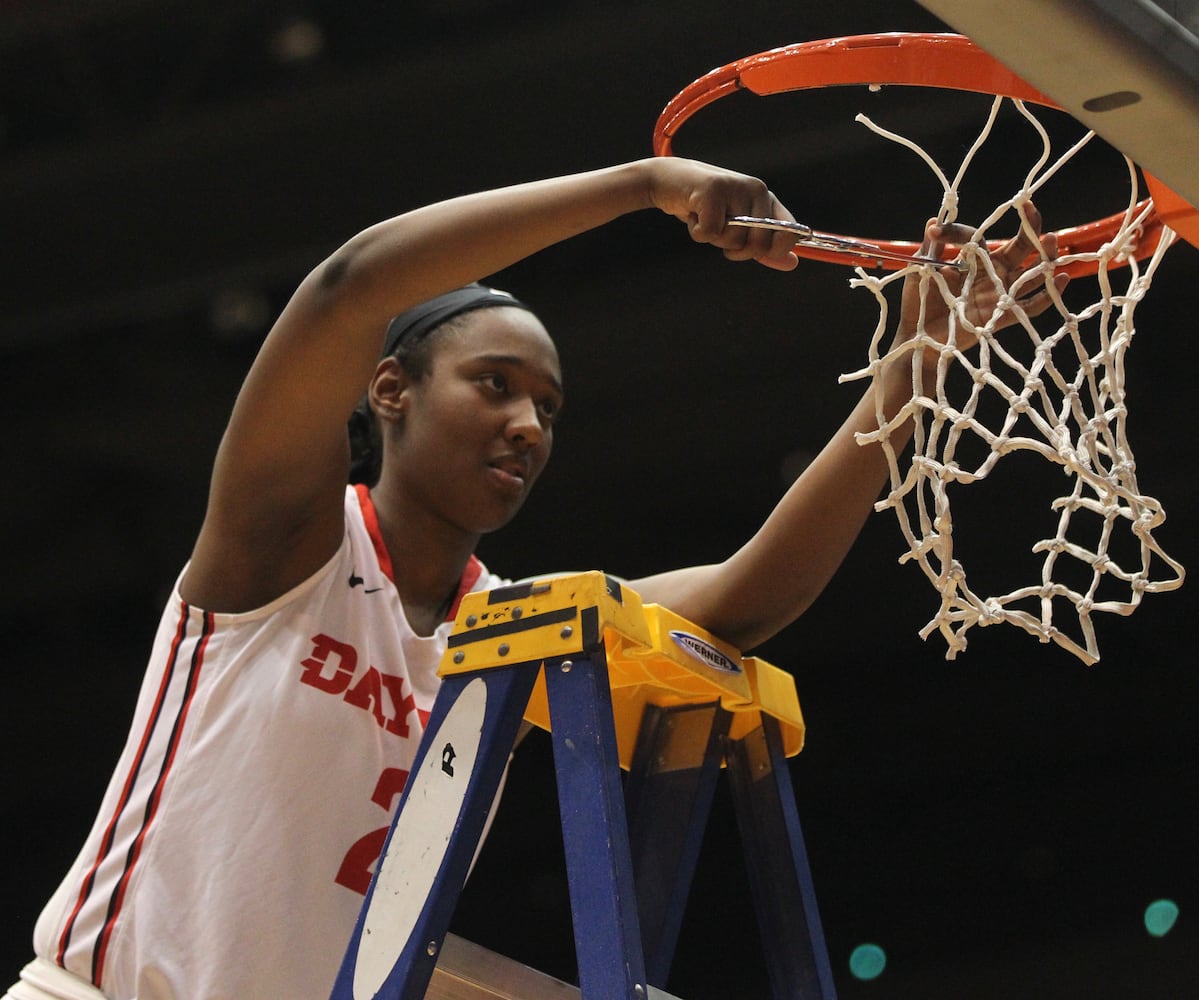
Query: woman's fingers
(1012,255)
(771,247)
(954,233)
(1016,251)
(1037,303)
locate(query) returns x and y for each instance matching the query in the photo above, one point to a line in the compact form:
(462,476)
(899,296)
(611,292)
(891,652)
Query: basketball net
(1059,394)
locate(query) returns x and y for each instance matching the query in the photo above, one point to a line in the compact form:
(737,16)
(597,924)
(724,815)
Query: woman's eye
(497,383)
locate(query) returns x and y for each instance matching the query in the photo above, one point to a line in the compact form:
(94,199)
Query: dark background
(997,824)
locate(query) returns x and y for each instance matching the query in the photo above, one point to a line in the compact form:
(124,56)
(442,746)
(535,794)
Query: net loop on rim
(1010,384)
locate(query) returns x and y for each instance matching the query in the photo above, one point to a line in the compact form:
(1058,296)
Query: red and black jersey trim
(161,721)
(470,573)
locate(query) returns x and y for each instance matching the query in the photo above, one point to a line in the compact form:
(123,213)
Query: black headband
(415,324)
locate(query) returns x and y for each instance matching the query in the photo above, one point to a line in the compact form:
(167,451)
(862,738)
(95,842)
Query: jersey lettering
(330,668)
(323,647)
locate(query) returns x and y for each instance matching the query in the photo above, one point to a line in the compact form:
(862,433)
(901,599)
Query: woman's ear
(388,392)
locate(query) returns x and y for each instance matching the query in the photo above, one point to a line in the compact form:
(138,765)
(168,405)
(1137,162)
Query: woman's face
(477,429)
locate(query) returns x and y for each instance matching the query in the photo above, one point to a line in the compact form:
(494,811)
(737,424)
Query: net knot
(1123,246)
(1124,469)
(991,614)
(954,573)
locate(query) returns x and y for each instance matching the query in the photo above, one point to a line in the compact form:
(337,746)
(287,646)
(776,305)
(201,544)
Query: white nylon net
(1057,393)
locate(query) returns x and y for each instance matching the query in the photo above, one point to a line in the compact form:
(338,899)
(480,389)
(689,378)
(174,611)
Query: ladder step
(467,971)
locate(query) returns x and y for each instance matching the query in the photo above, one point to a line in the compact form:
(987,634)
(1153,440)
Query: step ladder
(618,684)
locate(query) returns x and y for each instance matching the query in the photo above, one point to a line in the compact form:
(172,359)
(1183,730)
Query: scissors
(809,237)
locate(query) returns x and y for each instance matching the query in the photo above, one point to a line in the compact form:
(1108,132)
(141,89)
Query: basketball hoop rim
(919,59)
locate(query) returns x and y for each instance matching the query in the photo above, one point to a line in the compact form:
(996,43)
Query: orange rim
(1173,209)
(947,61)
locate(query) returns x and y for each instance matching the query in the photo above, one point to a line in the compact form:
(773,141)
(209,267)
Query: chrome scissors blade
(810,237)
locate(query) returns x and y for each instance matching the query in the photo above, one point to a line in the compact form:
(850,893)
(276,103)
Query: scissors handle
(809,237)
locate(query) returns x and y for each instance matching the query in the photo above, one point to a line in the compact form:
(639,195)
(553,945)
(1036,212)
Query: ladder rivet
(459,656)
(517,612)
(503,650)
(566,665)
(566,632)
(432,948)
(471,621)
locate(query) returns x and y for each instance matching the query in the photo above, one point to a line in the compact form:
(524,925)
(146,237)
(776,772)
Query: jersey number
(357,867)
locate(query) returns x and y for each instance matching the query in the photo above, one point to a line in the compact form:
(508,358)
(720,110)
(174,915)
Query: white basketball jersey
(266,757)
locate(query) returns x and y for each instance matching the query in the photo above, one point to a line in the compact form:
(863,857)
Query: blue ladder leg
(594,830)
(777,862)
(434,835)
(669,792)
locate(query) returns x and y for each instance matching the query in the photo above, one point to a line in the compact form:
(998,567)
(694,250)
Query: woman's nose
(524,423)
